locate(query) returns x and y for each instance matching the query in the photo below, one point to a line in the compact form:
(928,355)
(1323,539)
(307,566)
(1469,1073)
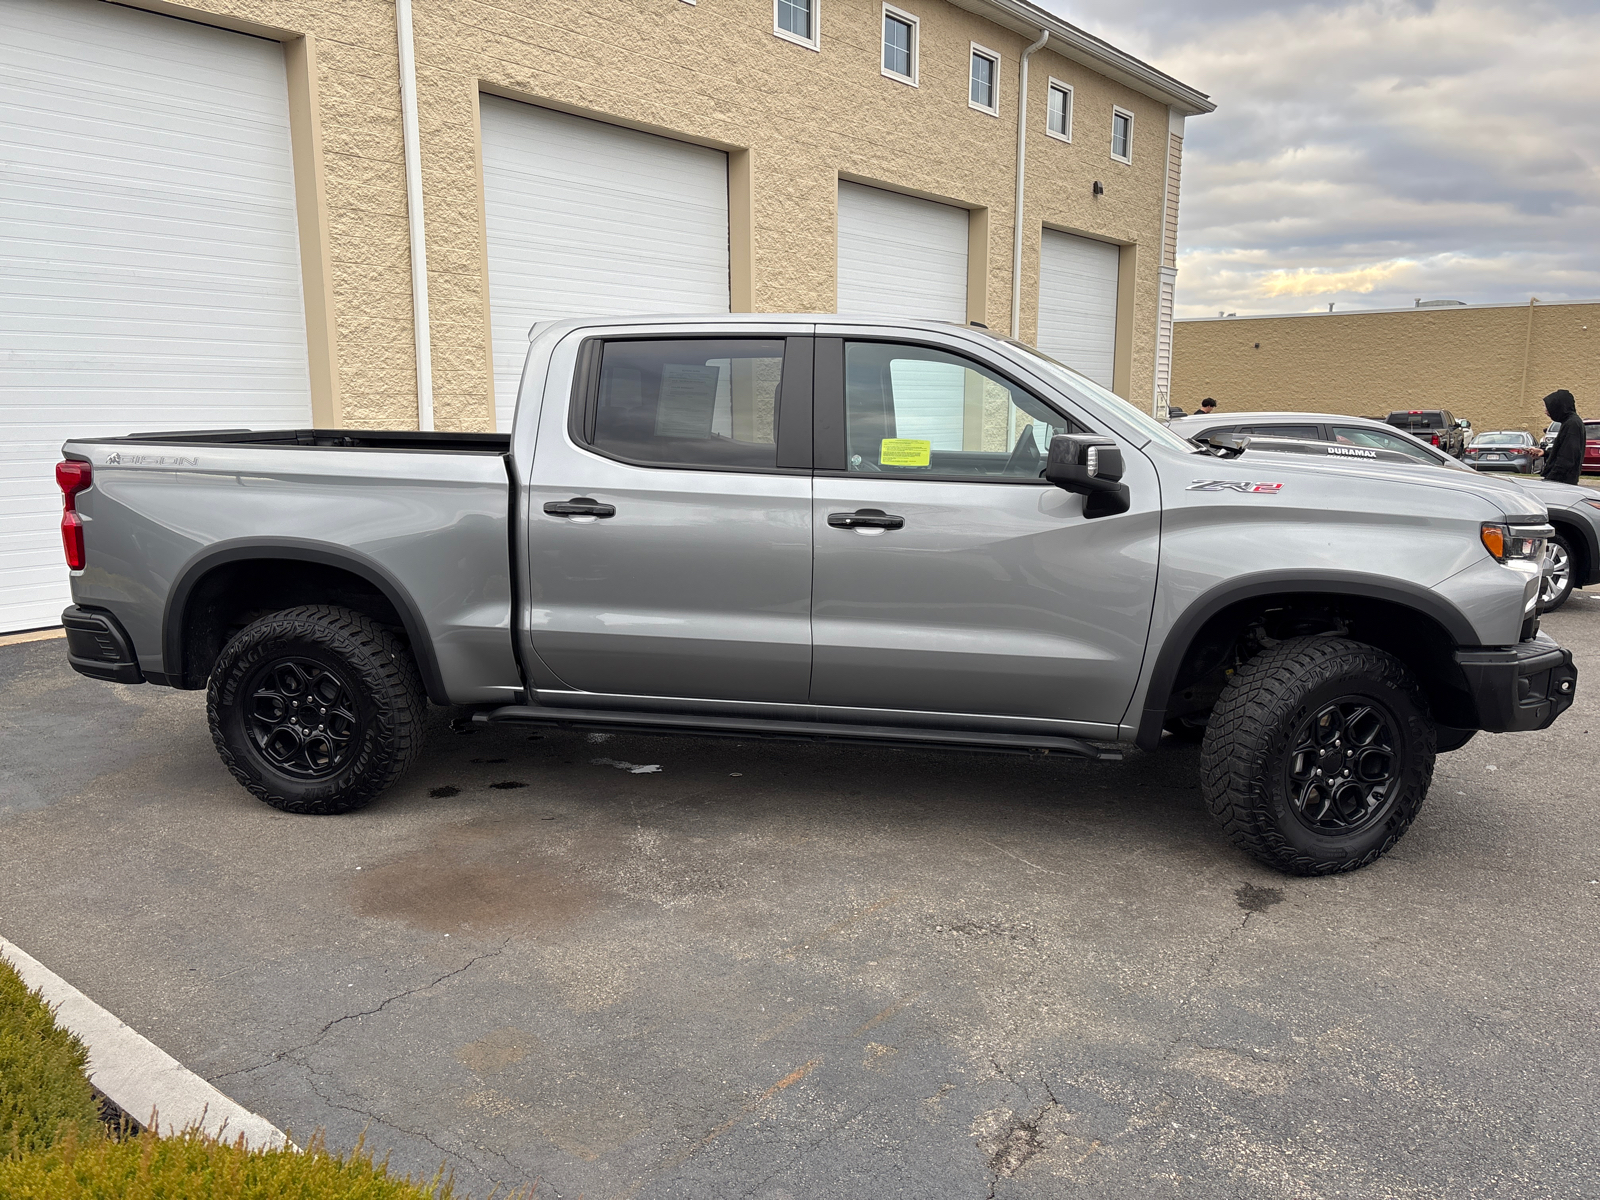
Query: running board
(796,731)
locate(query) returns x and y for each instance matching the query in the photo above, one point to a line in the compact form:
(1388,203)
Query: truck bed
(342,439)
(182,523)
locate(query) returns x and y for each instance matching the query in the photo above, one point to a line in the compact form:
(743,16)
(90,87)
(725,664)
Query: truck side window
(1301,433)
(1357,436)
(694,402)
(913,410)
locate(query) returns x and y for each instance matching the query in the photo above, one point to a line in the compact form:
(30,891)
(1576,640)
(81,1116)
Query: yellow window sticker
(904,452)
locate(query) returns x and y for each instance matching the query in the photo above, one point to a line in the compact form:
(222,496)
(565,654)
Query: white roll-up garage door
(148,249)
(900,256)
(1078,303)
(589,219)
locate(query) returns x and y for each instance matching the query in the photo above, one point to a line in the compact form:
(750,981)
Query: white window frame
(911,19)
(981,51)
(1057,85)
(1116,112)
(815,41)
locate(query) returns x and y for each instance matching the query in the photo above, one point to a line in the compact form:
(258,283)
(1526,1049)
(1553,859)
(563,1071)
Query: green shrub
(193,1166)
(43,1092)
(54,1147)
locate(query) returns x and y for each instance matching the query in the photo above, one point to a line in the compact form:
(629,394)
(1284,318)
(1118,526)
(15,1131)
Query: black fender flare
(297,550)
(1266,583)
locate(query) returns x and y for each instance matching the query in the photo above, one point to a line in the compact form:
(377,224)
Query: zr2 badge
(1235,485)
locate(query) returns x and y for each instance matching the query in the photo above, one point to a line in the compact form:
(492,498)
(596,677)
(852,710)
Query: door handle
(866,518)
(580,506)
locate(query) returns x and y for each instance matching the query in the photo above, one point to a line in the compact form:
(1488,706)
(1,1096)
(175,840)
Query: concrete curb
(135,1072)
(34,635)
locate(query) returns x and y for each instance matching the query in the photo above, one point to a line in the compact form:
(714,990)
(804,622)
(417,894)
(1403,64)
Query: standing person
(1207,406)
(1563,462)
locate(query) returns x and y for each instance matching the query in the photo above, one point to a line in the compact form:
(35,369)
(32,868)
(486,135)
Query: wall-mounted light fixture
(1099,188)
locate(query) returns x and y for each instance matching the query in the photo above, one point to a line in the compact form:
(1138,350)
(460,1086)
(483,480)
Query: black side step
(796,731)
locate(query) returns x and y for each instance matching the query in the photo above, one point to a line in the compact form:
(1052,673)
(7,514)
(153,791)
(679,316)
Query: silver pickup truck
(899,533)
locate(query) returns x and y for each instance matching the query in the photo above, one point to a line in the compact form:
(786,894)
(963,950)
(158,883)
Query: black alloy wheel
(316,709)
(1319,753)
(301,717)
(1343,769)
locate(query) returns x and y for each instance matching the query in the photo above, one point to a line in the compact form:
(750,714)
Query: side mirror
(1092,467)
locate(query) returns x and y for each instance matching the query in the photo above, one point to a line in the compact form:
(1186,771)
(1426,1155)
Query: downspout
(1527,350)
(1166,204)
(419,248)
(1016,208)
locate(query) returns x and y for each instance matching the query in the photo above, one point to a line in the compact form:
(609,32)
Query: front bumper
(1521,688)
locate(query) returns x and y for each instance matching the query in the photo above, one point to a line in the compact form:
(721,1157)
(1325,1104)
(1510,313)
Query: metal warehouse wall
(1470,360)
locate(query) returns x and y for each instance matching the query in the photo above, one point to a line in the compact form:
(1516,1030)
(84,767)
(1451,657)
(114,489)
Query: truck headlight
(1509,543)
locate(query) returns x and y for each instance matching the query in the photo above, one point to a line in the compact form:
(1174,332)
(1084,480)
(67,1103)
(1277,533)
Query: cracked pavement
(779,970)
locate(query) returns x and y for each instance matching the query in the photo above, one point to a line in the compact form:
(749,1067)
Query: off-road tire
(1563,593)
(1249,751)
(385,693)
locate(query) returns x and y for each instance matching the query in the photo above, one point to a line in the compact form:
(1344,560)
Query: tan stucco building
(786,119)
(349,213)
(1489,363)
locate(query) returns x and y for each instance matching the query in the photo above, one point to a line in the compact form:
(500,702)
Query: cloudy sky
(1368,152)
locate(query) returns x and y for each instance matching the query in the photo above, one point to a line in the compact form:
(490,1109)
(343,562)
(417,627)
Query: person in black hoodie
(1563,462)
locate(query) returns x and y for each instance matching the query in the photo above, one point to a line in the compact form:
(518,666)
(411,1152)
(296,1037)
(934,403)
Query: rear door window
(1417,420)
(692,402)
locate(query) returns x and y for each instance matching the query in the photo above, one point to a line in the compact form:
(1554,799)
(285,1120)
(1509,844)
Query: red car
(1591,446)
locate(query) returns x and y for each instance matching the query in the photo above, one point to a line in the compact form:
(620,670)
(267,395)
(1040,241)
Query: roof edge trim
(1093,52)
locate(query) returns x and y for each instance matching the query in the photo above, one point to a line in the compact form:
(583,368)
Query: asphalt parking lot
(675,967)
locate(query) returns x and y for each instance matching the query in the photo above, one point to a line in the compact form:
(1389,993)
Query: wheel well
(230,596)
(1572,534)
(1239,630)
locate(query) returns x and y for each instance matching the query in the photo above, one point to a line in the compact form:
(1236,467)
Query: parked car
(1574,552)
(806,527)
(1504,450)
(1436,426)
(1591,449)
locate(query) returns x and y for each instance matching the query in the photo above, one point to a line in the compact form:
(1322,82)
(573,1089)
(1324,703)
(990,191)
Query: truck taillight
(72,477)
(1434,439)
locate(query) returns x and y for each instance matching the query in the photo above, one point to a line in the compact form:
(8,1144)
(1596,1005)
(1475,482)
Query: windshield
(1502,439)
(1051,369)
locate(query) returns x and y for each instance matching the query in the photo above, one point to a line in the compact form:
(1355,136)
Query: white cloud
(1368,153)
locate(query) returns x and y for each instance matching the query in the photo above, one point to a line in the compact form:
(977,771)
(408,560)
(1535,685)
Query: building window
(899,45)
(796,21)
(1059,123)
(1122,135)
(984,90)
